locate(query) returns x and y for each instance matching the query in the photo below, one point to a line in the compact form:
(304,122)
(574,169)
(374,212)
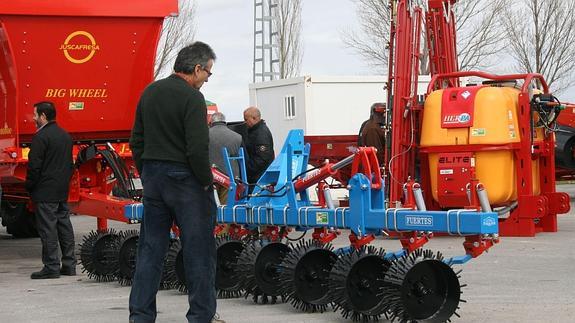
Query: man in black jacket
(170,144)
(47,180)
(259,144)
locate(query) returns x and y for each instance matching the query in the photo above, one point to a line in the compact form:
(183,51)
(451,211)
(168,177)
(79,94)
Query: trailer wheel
(19,222)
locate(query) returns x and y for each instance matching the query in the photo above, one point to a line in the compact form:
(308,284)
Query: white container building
(320,105)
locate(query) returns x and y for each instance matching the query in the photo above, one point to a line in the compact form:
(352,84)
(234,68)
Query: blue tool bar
(455,222)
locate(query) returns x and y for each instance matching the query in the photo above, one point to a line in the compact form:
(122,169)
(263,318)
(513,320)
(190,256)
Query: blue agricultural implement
(472,161)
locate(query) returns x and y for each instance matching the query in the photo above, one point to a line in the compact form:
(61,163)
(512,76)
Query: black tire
(19,222)
(564,148)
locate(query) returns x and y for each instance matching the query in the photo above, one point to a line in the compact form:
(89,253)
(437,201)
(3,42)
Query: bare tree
(287,24)
(372,42)
(541,39)
(176,32)
(478,35)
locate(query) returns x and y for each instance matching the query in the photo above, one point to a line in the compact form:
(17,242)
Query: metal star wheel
(128,241)
(98,253)
(304,275)
(421,287)
(228,252)
(355,282)
(257,270)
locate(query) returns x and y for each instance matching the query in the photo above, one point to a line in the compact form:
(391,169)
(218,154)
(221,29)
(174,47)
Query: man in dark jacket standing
(259,144)
(170,148)
(48,180)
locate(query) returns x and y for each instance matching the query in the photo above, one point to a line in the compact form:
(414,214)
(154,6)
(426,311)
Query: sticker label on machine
(457,107)
(419,221)
(321,218)
(453,175)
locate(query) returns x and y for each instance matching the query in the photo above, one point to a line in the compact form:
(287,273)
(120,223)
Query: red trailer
(92,59)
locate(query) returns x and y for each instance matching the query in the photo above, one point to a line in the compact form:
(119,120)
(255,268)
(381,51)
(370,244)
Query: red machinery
(92,59)
(532,205)
(535,206)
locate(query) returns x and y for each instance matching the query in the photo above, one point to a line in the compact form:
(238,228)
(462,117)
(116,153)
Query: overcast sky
(227,25)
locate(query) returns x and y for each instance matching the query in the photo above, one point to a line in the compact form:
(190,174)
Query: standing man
(48,180)
(372,134)
(259,144)
(222,137)
(170,148)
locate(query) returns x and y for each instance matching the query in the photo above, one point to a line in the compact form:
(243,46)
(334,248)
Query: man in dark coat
(170,145)
(47,180)
(259,144)
(372,134)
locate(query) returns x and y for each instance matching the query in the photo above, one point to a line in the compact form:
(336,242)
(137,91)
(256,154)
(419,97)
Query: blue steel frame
(283,206)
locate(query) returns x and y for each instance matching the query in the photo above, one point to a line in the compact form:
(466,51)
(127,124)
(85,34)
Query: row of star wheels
(362,284)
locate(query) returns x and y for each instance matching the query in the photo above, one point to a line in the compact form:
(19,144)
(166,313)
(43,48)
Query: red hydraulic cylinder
(315,177)
(220,178)
(324,172)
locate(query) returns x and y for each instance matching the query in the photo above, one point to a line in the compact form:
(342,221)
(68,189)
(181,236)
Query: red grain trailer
(92,59)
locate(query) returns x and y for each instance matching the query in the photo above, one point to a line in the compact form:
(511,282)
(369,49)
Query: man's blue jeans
(172,193)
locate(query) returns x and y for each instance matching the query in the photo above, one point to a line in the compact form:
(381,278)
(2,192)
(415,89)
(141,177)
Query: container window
(289,107)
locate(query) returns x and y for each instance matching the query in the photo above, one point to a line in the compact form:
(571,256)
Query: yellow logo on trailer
(67,47)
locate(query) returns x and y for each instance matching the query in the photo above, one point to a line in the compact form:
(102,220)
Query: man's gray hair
(192,55)
(253,112)
(218,117)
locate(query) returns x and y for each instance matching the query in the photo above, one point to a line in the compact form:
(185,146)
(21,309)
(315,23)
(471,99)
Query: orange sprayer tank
(494,121)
